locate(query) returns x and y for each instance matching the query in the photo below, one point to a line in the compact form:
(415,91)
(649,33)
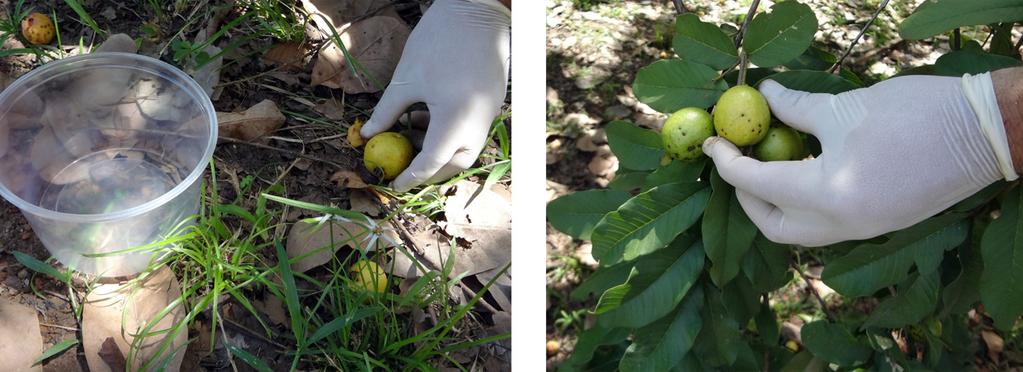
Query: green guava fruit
(684,132)
(781,143)
(742,116)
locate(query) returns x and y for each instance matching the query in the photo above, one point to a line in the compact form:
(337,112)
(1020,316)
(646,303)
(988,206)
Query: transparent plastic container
(104,152)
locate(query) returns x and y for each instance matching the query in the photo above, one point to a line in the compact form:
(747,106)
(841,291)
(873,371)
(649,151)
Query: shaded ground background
(316,120)
(594,49)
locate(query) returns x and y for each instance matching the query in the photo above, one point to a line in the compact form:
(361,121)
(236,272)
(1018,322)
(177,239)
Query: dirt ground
(245,79)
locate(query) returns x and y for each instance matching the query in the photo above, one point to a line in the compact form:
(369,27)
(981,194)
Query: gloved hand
(893,155)
(455,61)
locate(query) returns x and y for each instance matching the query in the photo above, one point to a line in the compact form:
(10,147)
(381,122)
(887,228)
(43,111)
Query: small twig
(680,7)
(745,23)
(855,41)
(289,152)
(72,329)
(813,290)
(1018,44)
(957,39)
(726,71)
(743,64)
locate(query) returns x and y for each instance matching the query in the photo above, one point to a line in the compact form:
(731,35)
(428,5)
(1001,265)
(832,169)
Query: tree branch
(680,7)
(858,36)
(745,23)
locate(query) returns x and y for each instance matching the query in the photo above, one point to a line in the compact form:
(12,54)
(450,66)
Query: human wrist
(1009,93)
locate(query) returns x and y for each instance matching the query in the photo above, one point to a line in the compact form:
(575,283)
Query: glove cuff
(494,4)
(980,93)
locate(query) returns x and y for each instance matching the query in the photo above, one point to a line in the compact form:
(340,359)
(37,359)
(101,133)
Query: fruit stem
(745,22)
(743,63)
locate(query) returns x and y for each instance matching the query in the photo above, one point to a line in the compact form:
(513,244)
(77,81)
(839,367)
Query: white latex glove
(893,155)
(455,61)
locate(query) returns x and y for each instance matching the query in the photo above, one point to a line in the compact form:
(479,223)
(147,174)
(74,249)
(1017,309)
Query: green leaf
(741,300)
(41,267)
(55,349)
(628,180)
(872,266)
(727,232)
(670,85)
(340,323)
(252,360)
(676,171)
(766,265)
(612,298)
(662,279)
(601,280)
(635,147)
(812,81)
(934,17)
(834,343)
(971,61)
(962,293)
(1001,40)
(1001,283)
(648,222)
(716,345)
(779,36)
(752,74)
(804,361)
(767,324)
(576,214)
(813,58)
(703,42)
(910,306)
(588,342)
(662,344)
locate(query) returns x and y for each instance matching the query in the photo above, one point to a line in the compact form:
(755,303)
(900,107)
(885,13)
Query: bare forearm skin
(1008,84)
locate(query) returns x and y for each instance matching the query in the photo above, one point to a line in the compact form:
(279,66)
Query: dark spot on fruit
(683,133)
(690,148)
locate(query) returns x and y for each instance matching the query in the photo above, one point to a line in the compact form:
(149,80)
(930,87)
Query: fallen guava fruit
(368,276)
(741,116)
(684,132)
(387,154)
(37,29)
(781,143)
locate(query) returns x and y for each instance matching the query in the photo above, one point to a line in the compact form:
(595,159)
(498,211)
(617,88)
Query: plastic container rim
(154,66)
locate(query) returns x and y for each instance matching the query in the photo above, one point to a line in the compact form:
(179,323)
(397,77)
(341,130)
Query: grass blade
(339,323)
(56,349)
(41,267)
(249,359)
(84,17)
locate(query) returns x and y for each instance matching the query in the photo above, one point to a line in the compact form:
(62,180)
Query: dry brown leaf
(365,203)
(347,178)
(112,355)
(273,307)
(331,108)
(376,42)
(995,344)
(19,322)
(288,56)
(604,164)
(259,120)
(316,244)
(136,304)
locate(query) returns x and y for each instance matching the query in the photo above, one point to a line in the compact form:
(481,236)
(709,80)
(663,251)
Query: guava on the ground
(741,116)
(368,276)
(781,143)
(37,29)
(387,154)
(684,132)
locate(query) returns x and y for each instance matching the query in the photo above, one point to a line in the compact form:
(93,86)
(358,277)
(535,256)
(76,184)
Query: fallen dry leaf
(136,304)
(376,42)
(347,178)
(316,244)
(19,322)
(288,56)
(112,355)
(331,108)
(259,120)
(995,343)
(365,203)
(273,307)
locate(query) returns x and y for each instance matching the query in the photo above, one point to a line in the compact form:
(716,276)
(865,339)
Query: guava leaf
(676,171)
(934,17)
(910,306)
(601,280)
(587,344)
(727,232)
(635,147)
(779,36)
(741,300)
(648,222)
(963,292)
(717,345)
(834,343)
(662,344)
(766,265)
(703,42)
(577,213)
(813,58)
(767,324)
(628,180)
(1001,283)
(812,81)
(656,286)
(670,85)
(752,75)
(872,266)
(971,61)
